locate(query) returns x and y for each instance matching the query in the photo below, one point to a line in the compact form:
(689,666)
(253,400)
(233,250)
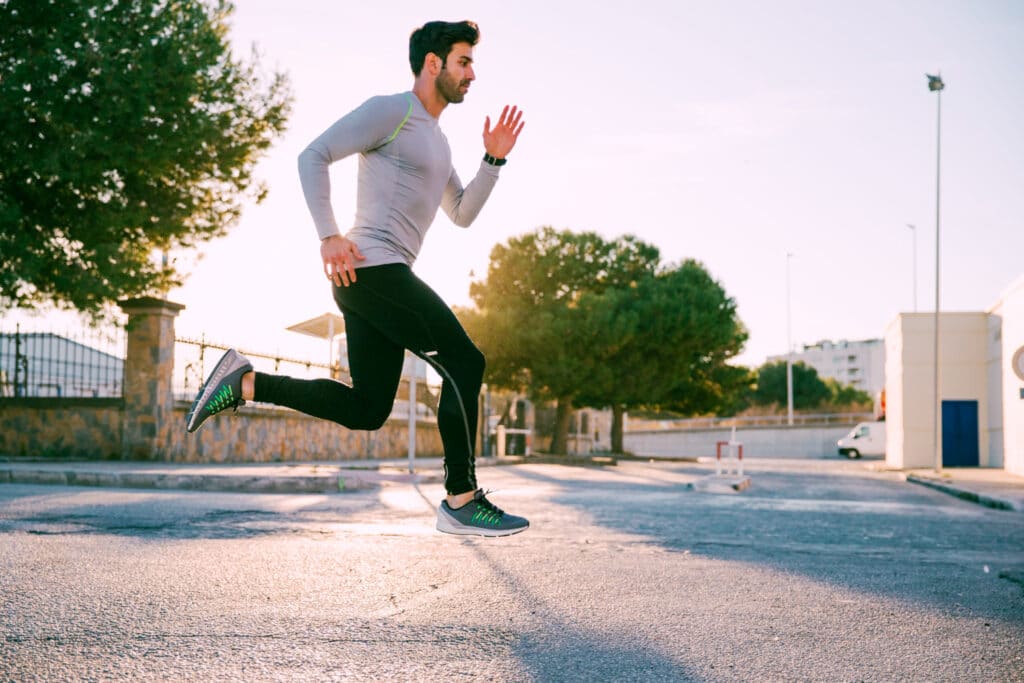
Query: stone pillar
(148,371)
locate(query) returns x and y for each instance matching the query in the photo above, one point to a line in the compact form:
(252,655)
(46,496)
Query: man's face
(454,79)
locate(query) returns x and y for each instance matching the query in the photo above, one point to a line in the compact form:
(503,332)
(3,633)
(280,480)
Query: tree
(809,391)
(845,396)
(663,342)
(128,127)
(527,310)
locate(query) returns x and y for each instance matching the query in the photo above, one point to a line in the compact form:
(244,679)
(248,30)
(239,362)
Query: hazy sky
(727,132)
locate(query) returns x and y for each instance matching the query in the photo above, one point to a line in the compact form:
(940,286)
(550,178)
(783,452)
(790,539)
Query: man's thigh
(374,360)
(403,309)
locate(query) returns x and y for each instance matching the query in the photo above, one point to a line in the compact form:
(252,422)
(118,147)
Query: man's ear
(434,63)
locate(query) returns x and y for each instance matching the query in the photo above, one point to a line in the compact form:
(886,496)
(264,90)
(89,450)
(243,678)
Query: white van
(867,438)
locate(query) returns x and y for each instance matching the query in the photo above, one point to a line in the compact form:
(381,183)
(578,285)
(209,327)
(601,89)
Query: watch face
(1018,362)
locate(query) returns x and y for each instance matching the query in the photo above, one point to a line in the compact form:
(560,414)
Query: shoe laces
(224,398)
(481,501)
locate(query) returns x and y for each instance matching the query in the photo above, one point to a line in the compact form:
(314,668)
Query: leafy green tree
(128,126)
(809,390)
(527,314)
(662,342)
(847,396)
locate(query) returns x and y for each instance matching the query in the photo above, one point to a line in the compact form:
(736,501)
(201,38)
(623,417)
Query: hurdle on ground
(735,455)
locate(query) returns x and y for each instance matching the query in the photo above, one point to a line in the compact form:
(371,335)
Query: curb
(569,460)
(332,483)
(342,480)
(635,457)
(964,494)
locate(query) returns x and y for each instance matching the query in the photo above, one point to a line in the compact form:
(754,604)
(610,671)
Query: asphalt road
(820,571)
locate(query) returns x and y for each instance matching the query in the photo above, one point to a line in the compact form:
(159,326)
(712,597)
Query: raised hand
(500,140)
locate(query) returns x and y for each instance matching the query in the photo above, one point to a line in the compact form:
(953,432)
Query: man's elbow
(458,217)
(311,158)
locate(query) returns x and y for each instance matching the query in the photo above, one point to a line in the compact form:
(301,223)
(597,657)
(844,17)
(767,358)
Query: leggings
(387,310)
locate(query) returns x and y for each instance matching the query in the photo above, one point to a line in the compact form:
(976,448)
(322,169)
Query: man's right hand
(340,255)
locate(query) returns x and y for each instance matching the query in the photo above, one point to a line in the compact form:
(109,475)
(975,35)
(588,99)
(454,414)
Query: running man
(405,175)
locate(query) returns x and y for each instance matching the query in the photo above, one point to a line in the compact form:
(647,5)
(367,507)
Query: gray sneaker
(478,517)
(222,390)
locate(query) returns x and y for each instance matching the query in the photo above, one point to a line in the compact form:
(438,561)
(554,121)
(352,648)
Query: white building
(981,422)
(860,364)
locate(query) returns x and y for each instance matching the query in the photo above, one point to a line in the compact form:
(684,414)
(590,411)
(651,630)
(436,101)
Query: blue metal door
(960,434)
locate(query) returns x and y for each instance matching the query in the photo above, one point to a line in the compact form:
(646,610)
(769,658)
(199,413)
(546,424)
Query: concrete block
(93,479)
(721,483)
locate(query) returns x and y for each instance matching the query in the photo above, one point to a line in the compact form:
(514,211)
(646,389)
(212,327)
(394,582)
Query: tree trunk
(618,421)
(563,414)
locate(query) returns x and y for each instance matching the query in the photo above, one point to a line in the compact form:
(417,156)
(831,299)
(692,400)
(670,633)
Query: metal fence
(195,358)
(84,363)
(801,420)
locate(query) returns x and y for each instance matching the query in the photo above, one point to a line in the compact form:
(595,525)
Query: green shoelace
(222,400)
(485,516)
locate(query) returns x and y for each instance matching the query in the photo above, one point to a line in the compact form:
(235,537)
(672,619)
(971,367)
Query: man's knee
(373,415)
(476,362)
(464,368)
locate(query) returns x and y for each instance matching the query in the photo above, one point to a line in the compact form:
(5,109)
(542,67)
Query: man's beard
(449,87)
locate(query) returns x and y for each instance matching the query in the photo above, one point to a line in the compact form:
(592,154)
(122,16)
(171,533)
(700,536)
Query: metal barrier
(735,455)
(501,435)
(193,365)
(640,425)
(81,364)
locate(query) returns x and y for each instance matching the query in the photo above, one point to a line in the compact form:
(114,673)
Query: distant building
(981,371)
(36,364)
(861,364)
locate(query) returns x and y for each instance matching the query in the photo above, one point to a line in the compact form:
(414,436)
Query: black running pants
(387,310)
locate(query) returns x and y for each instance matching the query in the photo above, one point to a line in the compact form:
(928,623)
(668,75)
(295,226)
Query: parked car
(867,438)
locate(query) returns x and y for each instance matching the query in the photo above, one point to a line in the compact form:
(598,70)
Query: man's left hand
(500,140)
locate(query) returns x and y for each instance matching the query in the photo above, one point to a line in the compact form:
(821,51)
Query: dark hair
(438,37)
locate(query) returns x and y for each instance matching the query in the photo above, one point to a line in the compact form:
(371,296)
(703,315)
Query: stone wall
(150,430)
(259,433)
(148,424)
(61,427)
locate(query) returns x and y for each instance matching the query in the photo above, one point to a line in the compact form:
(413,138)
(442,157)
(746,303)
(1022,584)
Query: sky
(733,133)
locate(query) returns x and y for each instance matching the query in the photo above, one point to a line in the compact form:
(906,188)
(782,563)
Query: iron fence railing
(193,361)
(84,363)
(801,420)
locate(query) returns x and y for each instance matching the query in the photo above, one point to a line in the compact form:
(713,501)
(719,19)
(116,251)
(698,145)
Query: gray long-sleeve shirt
(405,173)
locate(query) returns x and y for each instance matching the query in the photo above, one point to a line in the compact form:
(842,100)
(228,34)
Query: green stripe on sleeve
(407,115)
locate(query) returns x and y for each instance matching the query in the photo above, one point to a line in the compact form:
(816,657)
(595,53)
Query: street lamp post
(789,347)
(913,232)
(936,85)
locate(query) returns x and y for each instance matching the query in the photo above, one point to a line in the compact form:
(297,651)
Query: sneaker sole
(448,526)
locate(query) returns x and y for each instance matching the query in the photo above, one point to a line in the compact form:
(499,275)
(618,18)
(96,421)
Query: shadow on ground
(865,533)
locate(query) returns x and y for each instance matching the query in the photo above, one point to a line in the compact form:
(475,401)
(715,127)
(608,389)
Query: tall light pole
(913,231)
(936,85)
(789,347)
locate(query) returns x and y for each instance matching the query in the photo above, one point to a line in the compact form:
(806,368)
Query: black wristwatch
(494,161)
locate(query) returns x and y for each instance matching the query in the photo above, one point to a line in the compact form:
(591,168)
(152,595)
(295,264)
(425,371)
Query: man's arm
(464,204)
(366,128)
